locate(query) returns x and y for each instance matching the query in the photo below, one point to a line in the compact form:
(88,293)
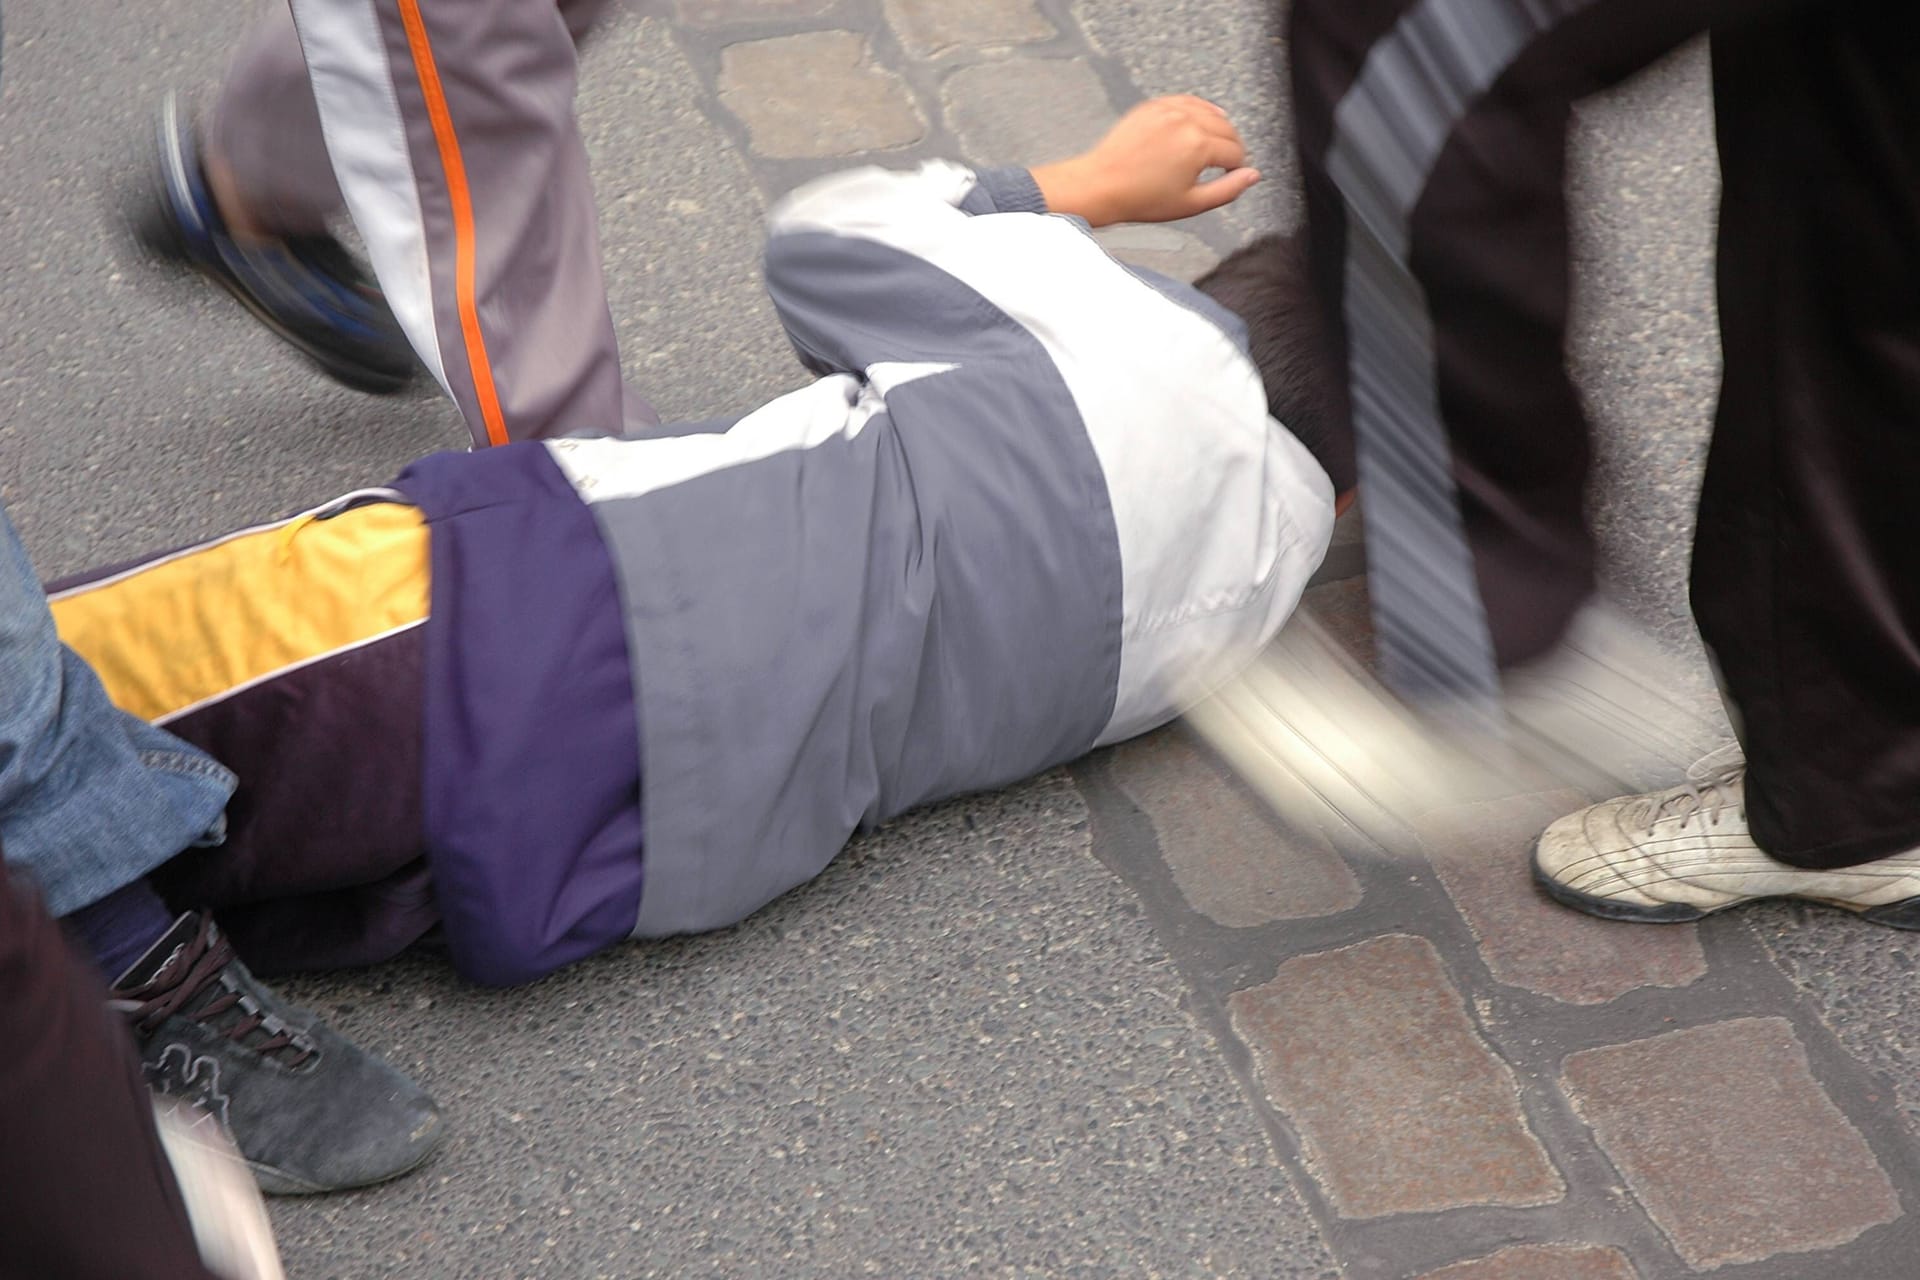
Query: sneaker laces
(195,972)
(1713,784)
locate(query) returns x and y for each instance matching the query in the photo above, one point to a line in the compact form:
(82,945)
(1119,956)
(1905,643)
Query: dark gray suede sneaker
(309,1111)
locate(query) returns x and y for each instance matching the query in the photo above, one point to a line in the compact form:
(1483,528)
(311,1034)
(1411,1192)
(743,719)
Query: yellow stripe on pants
(204,623)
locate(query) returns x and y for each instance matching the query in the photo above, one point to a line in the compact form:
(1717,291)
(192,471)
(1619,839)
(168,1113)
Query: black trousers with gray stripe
(1433,135)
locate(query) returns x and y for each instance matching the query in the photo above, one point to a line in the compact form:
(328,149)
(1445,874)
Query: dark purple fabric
(532,767)
(118,929)
(322,867)
(346,928)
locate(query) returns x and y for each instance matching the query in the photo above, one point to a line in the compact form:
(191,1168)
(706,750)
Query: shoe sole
(1904,914)
(156,228)
(276,1182)
(358,377)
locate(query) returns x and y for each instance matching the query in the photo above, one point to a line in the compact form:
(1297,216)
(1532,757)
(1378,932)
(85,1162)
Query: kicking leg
(453,136)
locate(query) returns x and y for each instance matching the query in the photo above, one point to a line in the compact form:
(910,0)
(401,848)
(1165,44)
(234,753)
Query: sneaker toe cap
(354,1120)
(1572,848)
(373,1144)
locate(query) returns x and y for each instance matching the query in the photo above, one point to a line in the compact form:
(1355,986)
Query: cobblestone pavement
(1117,1021)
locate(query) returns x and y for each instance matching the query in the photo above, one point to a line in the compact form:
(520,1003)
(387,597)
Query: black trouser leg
(1433,146)
(1806,573)
(89,1195)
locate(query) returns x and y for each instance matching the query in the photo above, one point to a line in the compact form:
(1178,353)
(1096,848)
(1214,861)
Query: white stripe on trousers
(1418,82)
(367,142)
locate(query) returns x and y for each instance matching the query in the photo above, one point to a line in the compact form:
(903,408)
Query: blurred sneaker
(1324,742)
(307,289)
(1609,710)
(1321,737)
(229,1222)
(309,1111)
(1683,853)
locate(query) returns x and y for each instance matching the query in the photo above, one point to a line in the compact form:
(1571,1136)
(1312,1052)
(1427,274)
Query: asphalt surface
(963,1049)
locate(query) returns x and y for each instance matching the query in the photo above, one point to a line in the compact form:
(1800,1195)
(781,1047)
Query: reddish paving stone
(817,94)
(1400,1105)
(930,27)
(1232,864)
(1730,1143)
(721,13)
(1542,1262)
(1481,852)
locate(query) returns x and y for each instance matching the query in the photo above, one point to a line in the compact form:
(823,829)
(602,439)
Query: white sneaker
(1318,736)
(1611,709)
(1683,853)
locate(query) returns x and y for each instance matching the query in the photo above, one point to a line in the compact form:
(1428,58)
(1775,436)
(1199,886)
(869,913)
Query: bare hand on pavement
(1149,166)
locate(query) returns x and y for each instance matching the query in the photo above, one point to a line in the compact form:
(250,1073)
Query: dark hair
(1266,284)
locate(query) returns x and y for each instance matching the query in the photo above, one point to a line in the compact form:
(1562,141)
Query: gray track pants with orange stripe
(454,145)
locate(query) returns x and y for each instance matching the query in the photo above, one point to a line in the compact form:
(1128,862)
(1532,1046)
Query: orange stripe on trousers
(461,199)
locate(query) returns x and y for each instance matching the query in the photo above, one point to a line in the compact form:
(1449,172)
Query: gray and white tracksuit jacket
(1034,504)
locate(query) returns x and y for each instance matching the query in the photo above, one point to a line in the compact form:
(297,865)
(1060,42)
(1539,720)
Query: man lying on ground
(557,694)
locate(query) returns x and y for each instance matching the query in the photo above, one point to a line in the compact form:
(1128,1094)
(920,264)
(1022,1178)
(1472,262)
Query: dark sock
(118,929)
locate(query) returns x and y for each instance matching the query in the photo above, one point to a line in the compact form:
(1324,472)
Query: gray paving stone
(1230,861)
(1026,110)
(1344,609)
(1400,1105)
(1349,529)
(679,231)
(931,27)
(1730,1143)
(721,13)
(1542,1262)
(1860,978)
(817,94)
(1159,247)
(1481,852)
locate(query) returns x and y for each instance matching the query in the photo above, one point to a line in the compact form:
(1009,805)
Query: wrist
(1072,187)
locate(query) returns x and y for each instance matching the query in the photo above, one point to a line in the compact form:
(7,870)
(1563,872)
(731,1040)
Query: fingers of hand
(1174,116)
(1223,151)
(1208,137)
(1222,190)
(1156,155)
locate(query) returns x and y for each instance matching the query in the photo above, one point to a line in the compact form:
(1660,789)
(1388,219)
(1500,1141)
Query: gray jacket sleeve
(844,273)
(1010,189)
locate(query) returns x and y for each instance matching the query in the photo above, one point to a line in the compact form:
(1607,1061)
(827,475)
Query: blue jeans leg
(91,798)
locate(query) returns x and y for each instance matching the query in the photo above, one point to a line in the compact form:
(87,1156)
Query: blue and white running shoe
(307,289)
